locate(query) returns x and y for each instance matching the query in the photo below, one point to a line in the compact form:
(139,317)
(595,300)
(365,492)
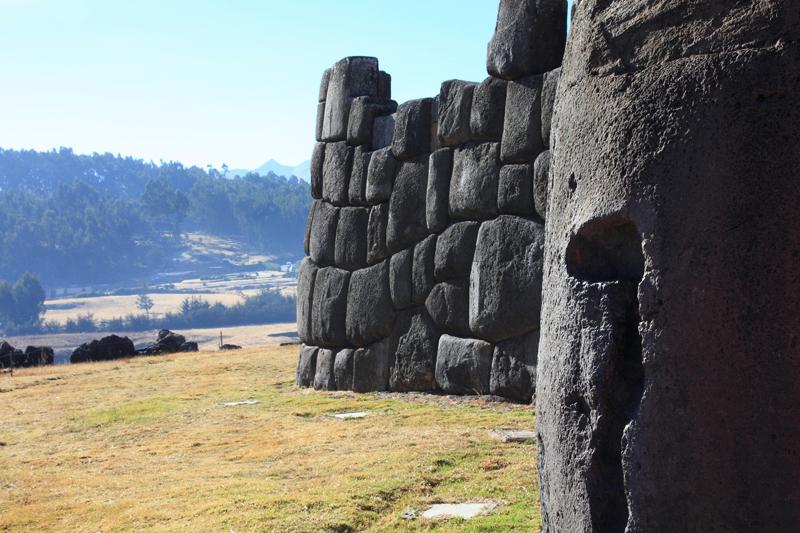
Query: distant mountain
(302,171)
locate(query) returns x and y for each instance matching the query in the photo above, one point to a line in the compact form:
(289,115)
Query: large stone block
(351,77)
(370,312)
(322,243)
(454,106)
(371,367)
(306,366)
(417,341)
(376,233)
(412,129)
(351,238)
(336,173)
(463,365)
(422,278)
(438,191)
(324,377)
(541,177)
(383,132)
(343,369)
(384,85)
(522,125)
(305,295)
(363,112)
(320,122)
(380,176)
(329,307)
(317,166)
(506,278)
(455,249)
(549,86)
(488,110)
(400,278)
(309,226)
(407,223)
(323,85)
(357,188)
(529,38)
(515,190)
(473,186)
(448,305)
(513,373)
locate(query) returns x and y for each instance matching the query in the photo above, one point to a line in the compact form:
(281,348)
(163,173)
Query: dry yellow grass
(146,444)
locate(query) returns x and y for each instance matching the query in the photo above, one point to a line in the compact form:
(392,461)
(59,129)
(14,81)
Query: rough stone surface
(438,190)
(448,305)
(357,187)
(383,132)
(488,110)
(522,126)
(329,306)
(105,349)
(506,278)
(376,233)
(351,238)
(463,365)
(422,269)
(322,245)
(400,278)
(324,377)
(668,360)
(515,190)
(317,166)
(454,108)
(305,292)
(371,367)
(363,112)
(417,342)
(370,312)
(529,38)
(406,223)
(380,176)
(514,368)
(455,249)
(336,173)
(307,367)
(549,86)
(412,129)
(343,369)
(323,85)
(309,226)
(541,177)
(349,78)
(473,186)
(384,85)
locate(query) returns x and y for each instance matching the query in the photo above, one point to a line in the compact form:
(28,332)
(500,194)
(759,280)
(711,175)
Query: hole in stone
(573,184)
(607,249)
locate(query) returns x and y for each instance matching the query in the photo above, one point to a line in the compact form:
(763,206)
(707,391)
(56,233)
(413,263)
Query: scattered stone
(513,435)
(229,347)
(236,404)
(458,510)
(351,416)
(105,349)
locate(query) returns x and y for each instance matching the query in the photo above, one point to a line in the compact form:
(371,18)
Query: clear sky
(212,82)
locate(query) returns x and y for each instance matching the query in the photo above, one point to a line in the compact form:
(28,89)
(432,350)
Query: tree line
(86,219)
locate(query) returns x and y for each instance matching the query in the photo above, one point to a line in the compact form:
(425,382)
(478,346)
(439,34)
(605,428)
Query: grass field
(147,444)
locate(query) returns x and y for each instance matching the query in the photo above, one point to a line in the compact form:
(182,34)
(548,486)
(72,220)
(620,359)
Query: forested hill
(94,218)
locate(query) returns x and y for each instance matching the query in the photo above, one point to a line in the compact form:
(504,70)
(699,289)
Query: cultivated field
(147,444)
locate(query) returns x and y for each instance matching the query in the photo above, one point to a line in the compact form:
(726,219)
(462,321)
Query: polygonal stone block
(371,367)
(513,372)
(463,365)
(357,188)
(309,226)
(376,233)
(383,132)
(324,378)
(380,176)
(363,112)
(522,126)
(370,312)
(384,85)
(412,130)
(305,295)
(455,249)
(488,110)
(317,165)
(351,77)
(448,305)
(306,366)
(549,87)
(343,369)
(529,38)
(351,238)
(515,190)
(336,173)
(407,205)
(322,242)
(454,106)
(506,278)
(400,268)
(417,341)
(422,279)
(438,191)
(329,307)
(473,186)
(541,177)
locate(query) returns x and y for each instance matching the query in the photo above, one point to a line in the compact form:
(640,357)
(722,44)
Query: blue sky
(212,82)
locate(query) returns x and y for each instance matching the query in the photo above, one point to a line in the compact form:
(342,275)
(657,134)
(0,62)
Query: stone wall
(425,240)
